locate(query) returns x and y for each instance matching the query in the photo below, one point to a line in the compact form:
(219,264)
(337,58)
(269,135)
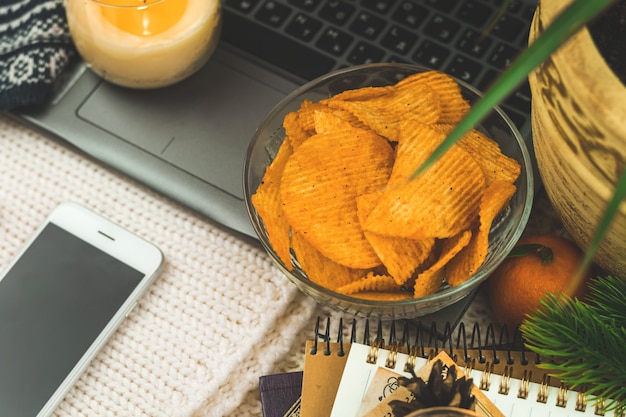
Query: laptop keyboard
(309,38)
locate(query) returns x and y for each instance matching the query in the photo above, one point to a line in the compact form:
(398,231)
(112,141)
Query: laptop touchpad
(202,125)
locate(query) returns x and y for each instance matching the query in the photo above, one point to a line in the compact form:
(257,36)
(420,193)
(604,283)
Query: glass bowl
(506,228)
(443,412)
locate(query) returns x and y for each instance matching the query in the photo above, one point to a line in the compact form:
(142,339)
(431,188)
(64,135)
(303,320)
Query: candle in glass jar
(144,43)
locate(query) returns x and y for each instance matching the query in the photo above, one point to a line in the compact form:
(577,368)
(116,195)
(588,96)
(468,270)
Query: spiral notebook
(341,374)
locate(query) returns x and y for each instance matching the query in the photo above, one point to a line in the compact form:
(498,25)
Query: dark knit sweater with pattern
(35,47)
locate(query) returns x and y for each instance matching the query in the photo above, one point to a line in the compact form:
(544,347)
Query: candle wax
(147,45)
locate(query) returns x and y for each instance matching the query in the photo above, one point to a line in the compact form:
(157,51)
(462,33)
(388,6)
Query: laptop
(189,141)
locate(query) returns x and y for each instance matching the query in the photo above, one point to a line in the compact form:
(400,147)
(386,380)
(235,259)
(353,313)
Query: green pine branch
(584,340)
(609,296)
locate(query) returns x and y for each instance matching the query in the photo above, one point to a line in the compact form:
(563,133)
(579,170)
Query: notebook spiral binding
(426,344)
(496,354)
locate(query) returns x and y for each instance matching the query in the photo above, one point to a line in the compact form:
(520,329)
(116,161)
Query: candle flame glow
(145,18)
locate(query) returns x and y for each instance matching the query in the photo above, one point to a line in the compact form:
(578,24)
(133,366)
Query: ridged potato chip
(269,205)
(453,105)
(363,94)
(332,120)
(370,283)
(495,165)
(319,186)
(439,203)
(429,281)
(300,125)
(416,142)
(383,114)
(400,256)
(467,262)
(319,268)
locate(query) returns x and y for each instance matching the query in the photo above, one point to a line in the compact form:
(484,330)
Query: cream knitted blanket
(219,316)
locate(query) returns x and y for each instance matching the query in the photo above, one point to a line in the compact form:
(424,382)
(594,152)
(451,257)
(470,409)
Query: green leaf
(565,25)
(608,297)
(544,252)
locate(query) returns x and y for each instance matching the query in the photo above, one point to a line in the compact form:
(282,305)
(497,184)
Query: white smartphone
(61,298)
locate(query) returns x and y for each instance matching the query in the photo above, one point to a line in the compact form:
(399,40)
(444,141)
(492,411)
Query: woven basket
(579,136)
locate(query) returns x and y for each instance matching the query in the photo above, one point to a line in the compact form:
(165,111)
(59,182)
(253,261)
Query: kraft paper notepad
(322,374)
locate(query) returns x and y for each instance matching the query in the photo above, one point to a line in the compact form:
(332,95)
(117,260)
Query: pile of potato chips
(339,195)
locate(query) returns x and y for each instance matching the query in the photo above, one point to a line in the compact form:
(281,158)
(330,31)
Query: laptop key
(443,5)
(276,49)
(472,43)
(380,6)
(464,69)
(336,11)
(441,28)
(334,41)
(399,40)
(273,13)
(244,6)
(431,54)
(474,13)
(303,27)
(367,25)
(509,28)
(410,14)
(365,53)
(502,56)
(528,12)
(514,6)
(307,5)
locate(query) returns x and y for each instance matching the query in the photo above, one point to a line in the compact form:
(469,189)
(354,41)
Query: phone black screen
(54,302)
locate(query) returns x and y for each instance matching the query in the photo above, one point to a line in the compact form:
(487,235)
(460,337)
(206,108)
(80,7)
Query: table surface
(218,318)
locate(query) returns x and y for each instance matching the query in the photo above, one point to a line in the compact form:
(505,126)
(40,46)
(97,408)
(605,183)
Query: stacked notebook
(345,377)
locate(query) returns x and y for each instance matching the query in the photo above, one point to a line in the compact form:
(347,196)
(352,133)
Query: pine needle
(585,341)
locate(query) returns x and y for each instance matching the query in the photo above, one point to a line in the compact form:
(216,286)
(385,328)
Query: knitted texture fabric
(219,316)
(35,47)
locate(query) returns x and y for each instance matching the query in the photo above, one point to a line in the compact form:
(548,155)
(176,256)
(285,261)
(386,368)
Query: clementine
(541,264)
